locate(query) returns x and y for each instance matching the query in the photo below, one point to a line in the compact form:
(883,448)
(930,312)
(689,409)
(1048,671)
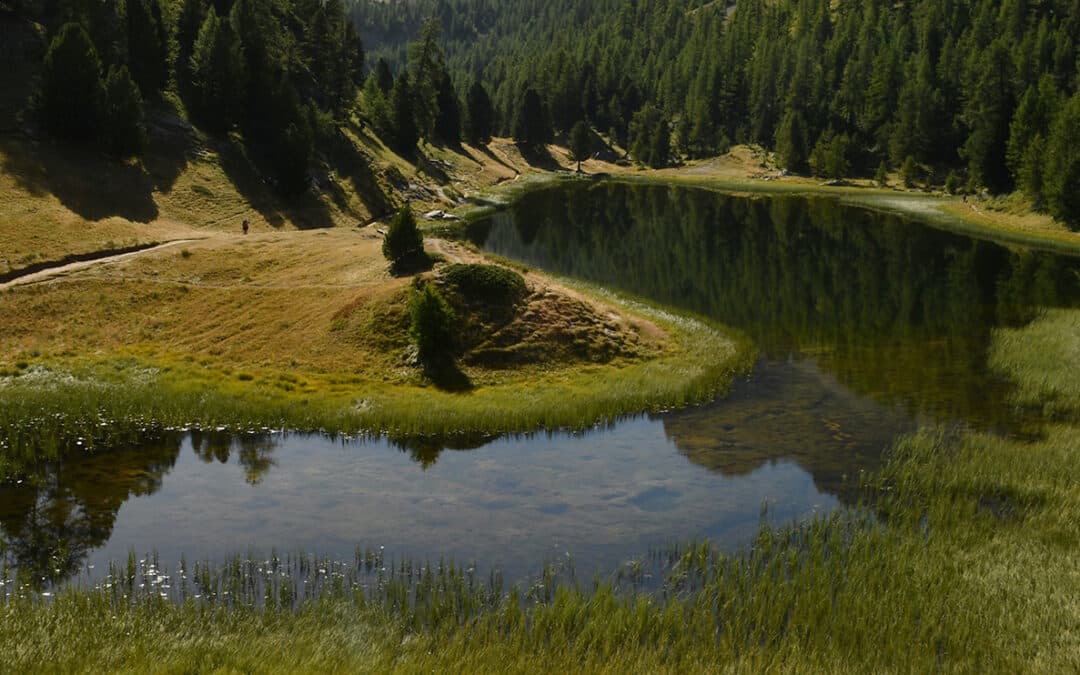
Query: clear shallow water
(868,325)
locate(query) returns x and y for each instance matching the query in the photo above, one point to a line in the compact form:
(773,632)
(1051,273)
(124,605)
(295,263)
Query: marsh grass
(932,575)
(963,559)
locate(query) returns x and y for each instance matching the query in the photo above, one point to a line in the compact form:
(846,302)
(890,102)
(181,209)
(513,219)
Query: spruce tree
(650,137)
(480,119)
(403,243)
(791,141)
(988,112)
(431,322)
(1062,172)
(383,77)
(217,66)
(71,86)
(531,126)
(192,16)
(402,116)
(580,143)
(448,121)
(125,130)
(147,45)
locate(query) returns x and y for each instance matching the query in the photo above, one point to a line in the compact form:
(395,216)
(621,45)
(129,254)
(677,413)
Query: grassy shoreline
(964,561)
(936,211)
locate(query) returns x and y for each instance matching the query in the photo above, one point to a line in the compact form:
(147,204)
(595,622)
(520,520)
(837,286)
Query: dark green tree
(376,108)
(402,116)
(124,128)
(1026,150)
(71,87)
(532,128)
(383,76)
(650,137)
(791,141)
(1062,173)
(448,121)
(217,67)
(431,322)
(147,45)
(581,138)
(403,244)
(192,16)
(909,172)
(480,118)
(987,115)
(882,175)
(427,65)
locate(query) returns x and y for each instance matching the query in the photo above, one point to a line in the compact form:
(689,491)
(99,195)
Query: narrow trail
(38,276)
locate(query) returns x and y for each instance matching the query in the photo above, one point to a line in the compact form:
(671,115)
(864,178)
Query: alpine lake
(868,325)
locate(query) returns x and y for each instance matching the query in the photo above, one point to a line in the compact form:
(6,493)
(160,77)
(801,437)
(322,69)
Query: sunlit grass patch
(1043,358)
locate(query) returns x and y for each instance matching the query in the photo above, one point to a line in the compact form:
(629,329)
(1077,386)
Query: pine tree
(650,137)
(448,121)
(580,143)
(431,324)
(217,65)
(480,120)
(403,243)
(375,107)
(791,141)
(123,113)
(192,16)
(531,126)
(402,116)
(147,45)
(882,175)
(71,87)
(1028,130)
(1062,172)
(383,77)
(988,112)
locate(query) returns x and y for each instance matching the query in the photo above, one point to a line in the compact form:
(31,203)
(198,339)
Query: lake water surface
(868,326)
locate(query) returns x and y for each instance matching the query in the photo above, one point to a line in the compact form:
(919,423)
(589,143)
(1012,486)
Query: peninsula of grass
(963,559)
(261,339)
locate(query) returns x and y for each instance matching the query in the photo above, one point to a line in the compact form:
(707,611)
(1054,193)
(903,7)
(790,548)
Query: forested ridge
(969,94)
(981,88)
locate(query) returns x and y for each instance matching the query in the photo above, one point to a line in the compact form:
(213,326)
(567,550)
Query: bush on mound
(487,284)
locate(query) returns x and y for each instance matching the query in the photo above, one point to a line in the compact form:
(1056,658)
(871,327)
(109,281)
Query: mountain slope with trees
(982,88)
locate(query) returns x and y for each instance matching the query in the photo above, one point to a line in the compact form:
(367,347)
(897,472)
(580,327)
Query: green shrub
(403,243)
(909,172)
(952,183)
(488,284)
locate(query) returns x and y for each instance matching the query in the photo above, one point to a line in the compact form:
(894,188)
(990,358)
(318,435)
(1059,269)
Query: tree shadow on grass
(540,158)
(90,185)
(95,186)
(446,375)
(495,158)
(416,264)
(242,166)
(349,161)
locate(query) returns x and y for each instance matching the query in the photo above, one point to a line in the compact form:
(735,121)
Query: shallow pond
(868,325)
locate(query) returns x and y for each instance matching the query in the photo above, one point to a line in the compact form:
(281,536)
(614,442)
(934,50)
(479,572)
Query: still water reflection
(868,324)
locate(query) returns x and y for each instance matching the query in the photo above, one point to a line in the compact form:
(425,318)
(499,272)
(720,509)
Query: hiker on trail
(245,226)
